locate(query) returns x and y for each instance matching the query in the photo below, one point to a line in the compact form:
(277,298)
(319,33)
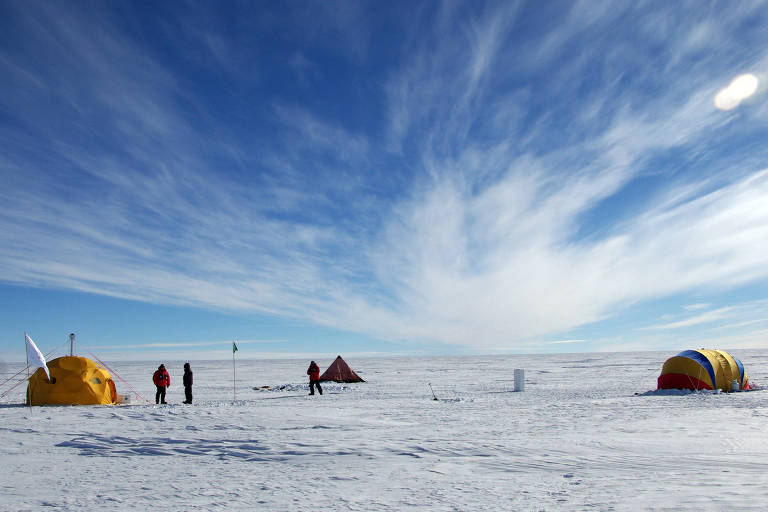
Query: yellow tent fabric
(74,381)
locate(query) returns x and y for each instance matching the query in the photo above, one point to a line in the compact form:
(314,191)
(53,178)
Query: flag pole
(234,392)
(29,402)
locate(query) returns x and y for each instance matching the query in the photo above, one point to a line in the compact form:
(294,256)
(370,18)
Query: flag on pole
(35,357)
(234,387)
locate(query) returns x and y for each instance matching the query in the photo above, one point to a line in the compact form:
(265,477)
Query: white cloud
(181,344)
(694,307)
(704,318)
(484,248)
(528,284)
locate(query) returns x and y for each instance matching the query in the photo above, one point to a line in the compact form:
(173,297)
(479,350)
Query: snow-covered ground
(584,435)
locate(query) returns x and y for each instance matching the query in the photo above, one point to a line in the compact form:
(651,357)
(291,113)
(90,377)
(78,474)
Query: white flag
(34,356)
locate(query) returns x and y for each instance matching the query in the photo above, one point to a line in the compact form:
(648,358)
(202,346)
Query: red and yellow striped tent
(703,369)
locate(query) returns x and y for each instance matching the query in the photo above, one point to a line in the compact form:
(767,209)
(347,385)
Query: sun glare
(741,88)
(725,100)
(744,86)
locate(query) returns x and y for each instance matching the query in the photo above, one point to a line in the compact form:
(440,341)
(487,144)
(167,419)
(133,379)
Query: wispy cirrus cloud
(181,345)
(482,246)
(697,306)
(704,318)
(515,186)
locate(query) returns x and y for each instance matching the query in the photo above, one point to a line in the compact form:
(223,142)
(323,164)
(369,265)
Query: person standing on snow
(162,380)
(187,384)
(314,378)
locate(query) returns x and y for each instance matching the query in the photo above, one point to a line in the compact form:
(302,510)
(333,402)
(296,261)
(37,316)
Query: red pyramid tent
(339,371)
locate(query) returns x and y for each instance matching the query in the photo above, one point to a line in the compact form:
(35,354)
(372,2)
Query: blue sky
(313,178)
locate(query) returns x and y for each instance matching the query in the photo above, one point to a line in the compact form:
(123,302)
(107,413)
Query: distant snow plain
(586,434)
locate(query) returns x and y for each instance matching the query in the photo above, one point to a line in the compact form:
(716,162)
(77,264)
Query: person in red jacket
(162,380)
(314,378)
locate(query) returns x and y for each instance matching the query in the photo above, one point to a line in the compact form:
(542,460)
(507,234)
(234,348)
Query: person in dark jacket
(314,378)
(162,380)
(187,384)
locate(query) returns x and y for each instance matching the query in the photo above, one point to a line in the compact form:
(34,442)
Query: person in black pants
(314,378)
(162,380)
(187,384)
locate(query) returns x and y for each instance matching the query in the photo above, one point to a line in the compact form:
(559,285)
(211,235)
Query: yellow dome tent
(74,381)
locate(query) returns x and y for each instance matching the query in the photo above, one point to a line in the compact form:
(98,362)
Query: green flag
(234,347)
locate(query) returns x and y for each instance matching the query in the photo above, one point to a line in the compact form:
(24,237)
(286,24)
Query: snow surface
(578,438)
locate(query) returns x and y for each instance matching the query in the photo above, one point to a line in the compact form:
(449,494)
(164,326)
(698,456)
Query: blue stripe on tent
(741,372)
(703,361)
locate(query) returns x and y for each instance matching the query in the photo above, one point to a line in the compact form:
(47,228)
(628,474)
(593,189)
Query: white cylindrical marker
(519,379)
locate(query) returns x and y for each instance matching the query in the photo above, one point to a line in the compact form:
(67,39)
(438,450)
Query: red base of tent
(680,381)
(339,371)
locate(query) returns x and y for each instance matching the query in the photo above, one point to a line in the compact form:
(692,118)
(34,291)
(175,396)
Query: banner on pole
(34,356)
